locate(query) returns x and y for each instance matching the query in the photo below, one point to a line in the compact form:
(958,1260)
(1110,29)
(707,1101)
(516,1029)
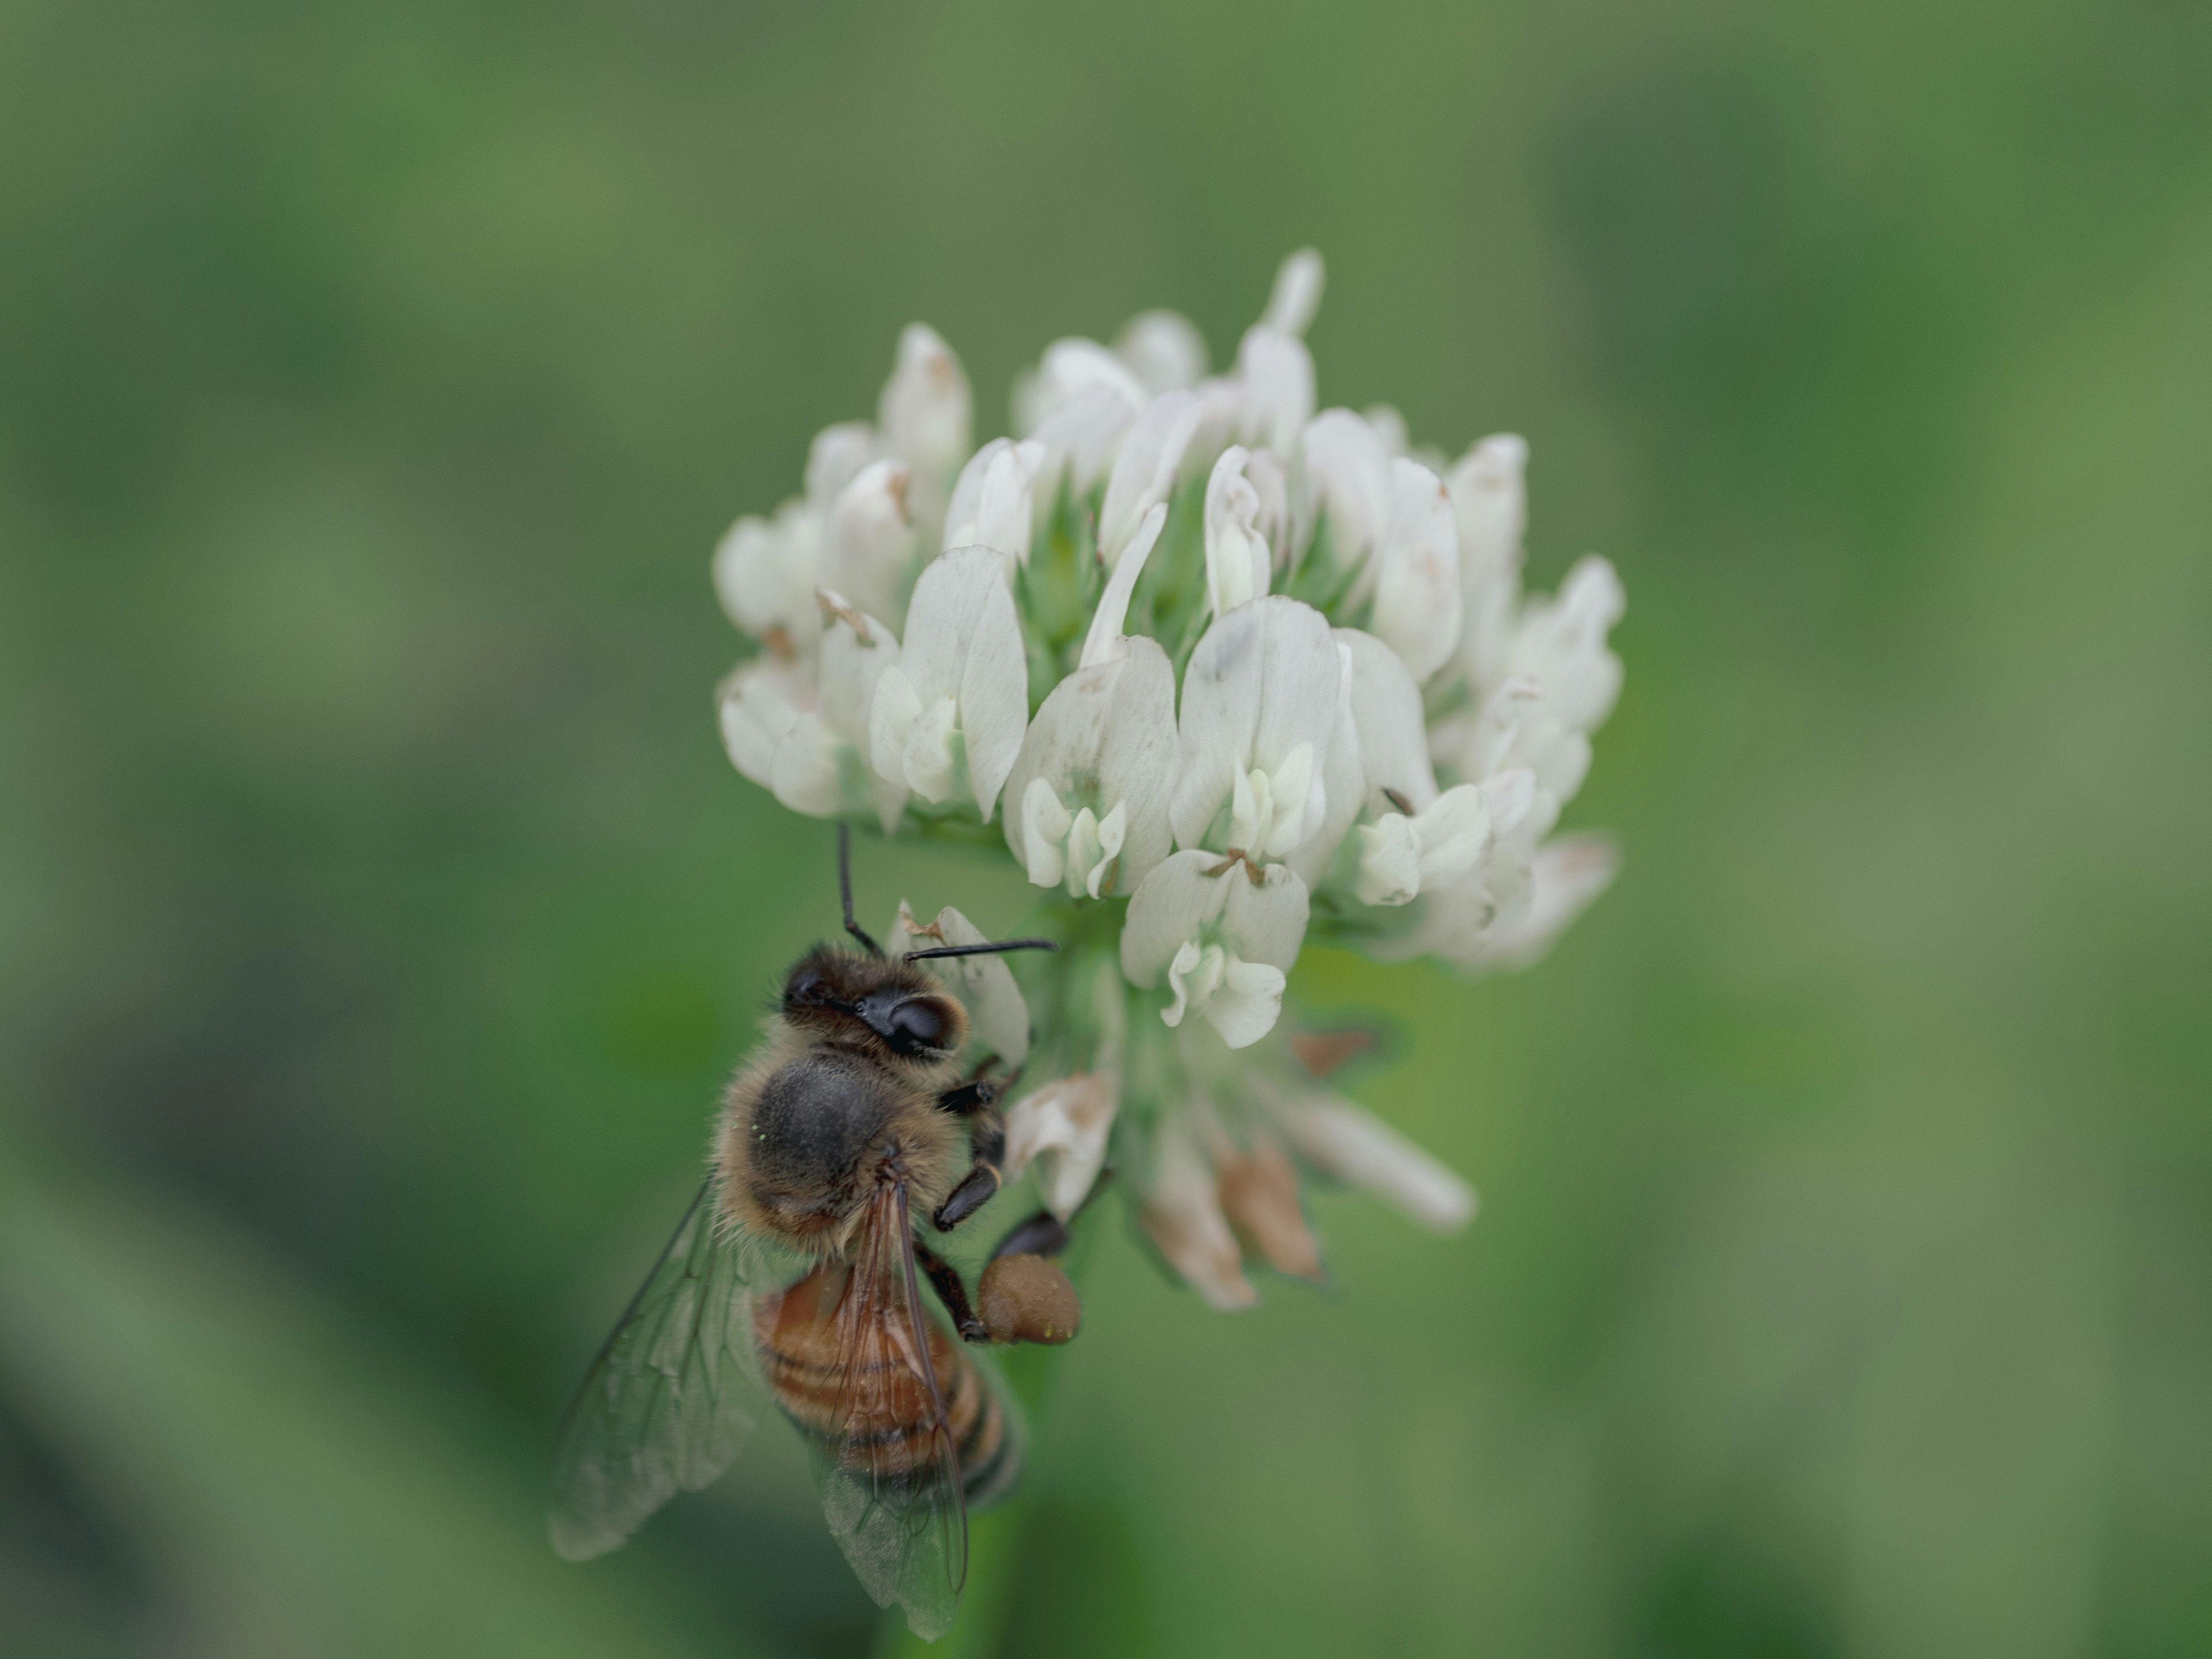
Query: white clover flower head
(1228,674)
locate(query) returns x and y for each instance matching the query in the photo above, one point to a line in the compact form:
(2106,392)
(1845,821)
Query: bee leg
(987,1135)
(1044,1233)
(952,1291)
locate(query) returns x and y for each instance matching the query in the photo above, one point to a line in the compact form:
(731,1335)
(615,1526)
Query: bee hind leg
(952,1292)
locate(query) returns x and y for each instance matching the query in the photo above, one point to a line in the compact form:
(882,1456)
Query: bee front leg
(952,1292)
(987,1135)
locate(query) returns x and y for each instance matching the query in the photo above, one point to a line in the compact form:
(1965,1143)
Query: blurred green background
(378,915)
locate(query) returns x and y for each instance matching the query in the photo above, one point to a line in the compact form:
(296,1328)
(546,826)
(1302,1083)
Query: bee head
(899,1006)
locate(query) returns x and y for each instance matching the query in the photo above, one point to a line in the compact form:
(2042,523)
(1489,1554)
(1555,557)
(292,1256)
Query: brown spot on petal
(1026,1299)
(1260,1194)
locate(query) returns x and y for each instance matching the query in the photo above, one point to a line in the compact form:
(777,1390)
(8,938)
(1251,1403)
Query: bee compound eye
(916,1024)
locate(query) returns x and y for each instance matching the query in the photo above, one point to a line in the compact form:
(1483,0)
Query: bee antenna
(984,950)
(845,888)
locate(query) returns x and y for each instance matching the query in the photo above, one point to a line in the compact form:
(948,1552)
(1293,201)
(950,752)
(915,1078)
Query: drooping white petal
(925,407)
(1561,644)
(1474,927)
(992,503)
(1400,856)
(1062,1128)
(1348,475)
(1181,1212)
(1488,501)
(764,574)
(835,457)
(984,984)
(1105,740)
(1164,349)
(1237,553)
(869,547)
(758,704)
(1146,467)
(1274,389)
(962,670)
(802,773)
(1264,678)
(1296,296)
(1359,1149)
(1105,642)
(1417,599)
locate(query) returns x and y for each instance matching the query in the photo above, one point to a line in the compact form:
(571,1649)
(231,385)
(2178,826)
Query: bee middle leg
(952,1292)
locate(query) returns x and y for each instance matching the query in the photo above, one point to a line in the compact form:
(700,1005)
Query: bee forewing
(660,1410)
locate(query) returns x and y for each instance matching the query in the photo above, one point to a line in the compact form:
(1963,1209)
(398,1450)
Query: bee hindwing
(661,1409)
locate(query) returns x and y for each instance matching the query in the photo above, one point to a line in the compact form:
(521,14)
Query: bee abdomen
(877,1417)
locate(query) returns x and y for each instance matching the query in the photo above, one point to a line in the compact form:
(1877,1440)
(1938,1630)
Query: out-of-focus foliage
(378,914)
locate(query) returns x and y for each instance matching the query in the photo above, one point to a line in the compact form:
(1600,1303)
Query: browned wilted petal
(1322,1052)
(1260,1194)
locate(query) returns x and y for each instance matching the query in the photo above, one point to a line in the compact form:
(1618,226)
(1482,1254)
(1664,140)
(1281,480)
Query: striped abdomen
(847,1377)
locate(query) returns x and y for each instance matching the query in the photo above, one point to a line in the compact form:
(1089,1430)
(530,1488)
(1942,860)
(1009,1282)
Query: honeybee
(847,1123)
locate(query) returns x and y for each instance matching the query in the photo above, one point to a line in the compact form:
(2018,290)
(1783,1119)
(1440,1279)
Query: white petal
(758,704)
(1265,921)
(1191,976)
(1069,368)
(1561,643)
(962,641)
(1080,439)
(1455,834)
(1389,427)
(892,713)
(1138,759)
(1275,389)
(1145,468)
(1083,849)
(1296,293)
(1386,713)
(804,774)
(1340,1140)
(764,575)
(992,503)
(1105,641)
(1344,780)
(869,546)
(1237,553)
(1164,349)
(1490,504)
(1113,831)
(1248,1004)
(1417,599)
(925,407)
(1264,678)
(1567,874)
(836,457)
(1347,475)
(1171,906)
(1291,787)
(1041,827)
(927,759)
(1389,861)
(984,984)
(1062,1128)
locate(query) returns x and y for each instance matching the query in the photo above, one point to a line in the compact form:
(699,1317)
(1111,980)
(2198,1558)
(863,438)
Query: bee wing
(891,1486)
(659,1409)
